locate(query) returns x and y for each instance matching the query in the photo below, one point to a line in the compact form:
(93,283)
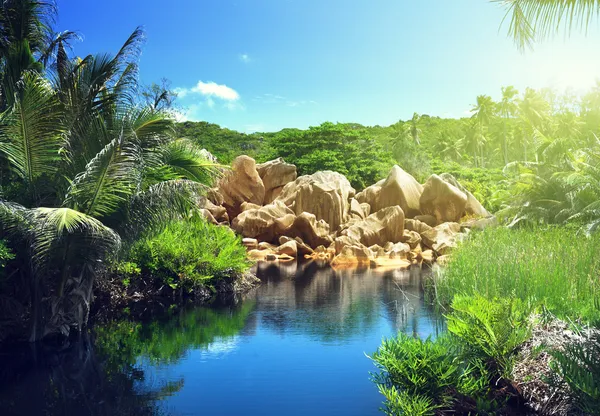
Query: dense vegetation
(185,256)
(87,167)
(546,268)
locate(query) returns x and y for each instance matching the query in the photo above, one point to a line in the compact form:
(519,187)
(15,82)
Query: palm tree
(414,129)
(532,20)
(507,108)
(93,170)
(483,113)
(534,112)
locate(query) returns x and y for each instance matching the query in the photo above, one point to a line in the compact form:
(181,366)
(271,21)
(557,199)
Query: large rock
(275,174)
(325,194)
(399,188)
(306,227)
(241,184)
(443,200)
(386,225)
(443,238)
(290,248)
(473,207)
(416,226)
(263,223)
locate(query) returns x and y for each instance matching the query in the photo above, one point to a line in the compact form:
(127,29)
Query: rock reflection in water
(334,305)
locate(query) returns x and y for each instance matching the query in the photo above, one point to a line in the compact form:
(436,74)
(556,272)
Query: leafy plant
(424,376)
(186,254)
(489,329)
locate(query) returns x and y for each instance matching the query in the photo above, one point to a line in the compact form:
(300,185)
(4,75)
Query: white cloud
(212,89)
(245,58)
(181,92)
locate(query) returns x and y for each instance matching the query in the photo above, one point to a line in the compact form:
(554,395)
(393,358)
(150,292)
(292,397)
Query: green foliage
(552,268)
(579,367)
(349,151)
(424,376)
(490,329)
(404,403)
(6,254)
(223,143)
(83,163)
(188,253)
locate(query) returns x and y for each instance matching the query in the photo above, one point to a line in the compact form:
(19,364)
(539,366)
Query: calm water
(294,346)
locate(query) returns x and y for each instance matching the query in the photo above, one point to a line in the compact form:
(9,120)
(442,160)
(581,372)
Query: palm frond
(108,180)
(532,20)
(32,132)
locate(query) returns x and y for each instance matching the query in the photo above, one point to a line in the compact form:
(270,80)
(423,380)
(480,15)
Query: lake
(296,345)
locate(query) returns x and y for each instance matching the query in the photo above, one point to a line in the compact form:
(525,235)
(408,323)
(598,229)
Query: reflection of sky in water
(302,350)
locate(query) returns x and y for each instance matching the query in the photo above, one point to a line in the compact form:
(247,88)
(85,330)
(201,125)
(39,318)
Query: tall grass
(552,268)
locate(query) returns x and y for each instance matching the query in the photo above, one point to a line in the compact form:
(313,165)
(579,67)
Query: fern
(491,330)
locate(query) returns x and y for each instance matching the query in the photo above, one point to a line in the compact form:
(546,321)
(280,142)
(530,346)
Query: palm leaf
(532,20)
(31,133)
(108,180)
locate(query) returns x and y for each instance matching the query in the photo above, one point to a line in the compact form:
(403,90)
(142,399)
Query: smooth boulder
(275,174)
(443,238)
(310,230)
(386,225)
(325,194)
(443,200)
(241,184)
(399,188)
(473,207)
(263,223)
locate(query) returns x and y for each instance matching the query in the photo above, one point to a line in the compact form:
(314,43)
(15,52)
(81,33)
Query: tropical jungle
(152,263)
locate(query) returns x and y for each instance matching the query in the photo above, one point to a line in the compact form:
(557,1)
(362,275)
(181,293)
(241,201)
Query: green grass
(555,269)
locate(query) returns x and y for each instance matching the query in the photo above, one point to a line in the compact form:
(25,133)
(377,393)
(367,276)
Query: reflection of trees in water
(336,305)
(75,381)
(101,374)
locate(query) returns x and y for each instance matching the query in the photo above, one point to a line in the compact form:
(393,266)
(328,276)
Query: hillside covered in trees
(534,145)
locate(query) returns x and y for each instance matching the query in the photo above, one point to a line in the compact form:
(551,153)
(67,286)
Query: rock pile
(393,223)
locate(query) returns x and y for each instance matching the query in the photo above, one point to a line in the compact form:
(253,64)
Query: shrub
(422,376)
(187,254)
(491,330)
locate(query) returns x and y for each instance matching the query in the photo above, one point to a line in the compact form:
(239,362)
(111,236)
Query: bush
(422,376)
(187,254)
(491,330)
(552,268)
(345,149)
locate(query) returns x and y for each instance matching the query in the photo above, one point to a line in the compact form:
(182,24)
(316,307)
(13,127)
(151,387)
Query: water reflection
(336,305)
(294,346)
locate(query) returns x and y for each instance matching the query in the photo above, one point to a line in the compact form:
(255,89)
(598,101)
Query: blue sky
(262,65)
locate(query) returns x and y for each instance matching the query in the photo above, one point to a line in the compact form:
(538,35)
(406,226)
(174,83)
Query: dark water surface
(294,346)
